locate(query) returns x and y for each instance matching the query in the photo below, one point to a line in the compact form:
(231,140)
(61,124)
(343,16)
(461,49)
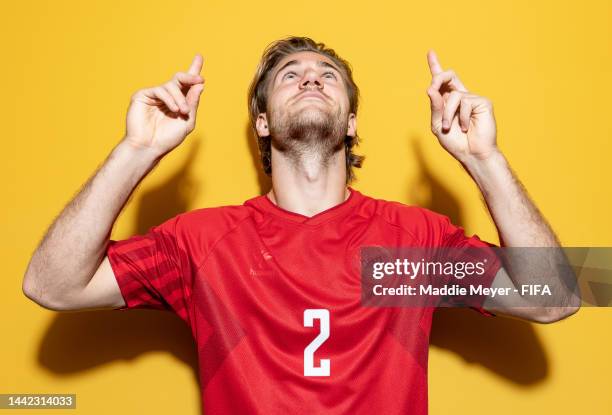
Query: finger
(448,78)
(178,96)
(437,105)
(196,65)
(160,94)
(187,79)
(193,97)
(434,64)
(465,113)
(450,108)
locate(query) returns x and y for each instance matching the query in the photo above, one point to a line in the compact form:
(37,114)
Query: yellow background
(69,68)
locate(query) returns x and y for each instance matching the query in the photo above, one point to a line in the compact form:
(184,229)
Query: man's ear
(261,125)
(352,125)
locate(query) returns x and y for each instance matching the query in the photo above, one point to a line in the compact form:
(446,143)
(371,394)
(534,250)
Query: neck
(308,185)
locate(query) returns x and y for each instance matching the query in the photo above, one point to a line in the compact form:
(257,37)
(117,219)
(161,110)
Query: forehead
(304,56)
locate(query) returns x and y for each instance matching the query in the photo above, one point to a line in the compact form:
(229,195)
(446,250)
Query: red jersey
(273,300)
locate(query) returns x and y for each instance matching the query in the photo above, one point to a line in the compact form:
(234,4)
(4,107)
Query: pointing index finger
(196,65)
(434,65)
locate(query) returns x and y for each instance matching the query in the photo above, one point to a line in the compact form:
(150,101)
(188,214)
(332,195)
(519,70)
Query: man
(271,289)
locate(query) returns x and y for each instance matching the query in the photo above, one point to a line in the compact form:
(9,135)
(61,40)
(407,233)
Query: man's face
(307,99)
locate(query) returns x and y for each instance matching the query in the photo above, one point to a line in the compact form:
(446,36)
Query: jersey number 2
(322,315)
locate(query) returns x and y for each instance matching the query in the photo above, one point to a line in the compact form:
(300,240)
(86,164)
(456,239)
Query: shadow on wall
(508,347)
(80,341)
(173,197)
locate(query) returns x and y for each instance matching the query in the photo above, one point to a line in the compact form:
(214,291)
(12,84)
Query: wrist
(486,169)
(133,148)
(483,163)
(137,155)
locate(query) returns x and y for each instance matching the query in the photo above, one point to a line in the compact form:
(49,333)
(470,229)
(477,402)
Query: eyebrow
(295,62)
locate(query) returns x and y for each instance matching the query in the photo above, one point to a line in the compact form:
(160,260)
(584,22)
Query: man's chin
(312,123)
(312,114)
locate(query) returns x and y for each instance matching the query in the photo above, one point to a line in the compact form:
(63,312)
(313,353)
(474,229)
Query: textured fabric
(244,277)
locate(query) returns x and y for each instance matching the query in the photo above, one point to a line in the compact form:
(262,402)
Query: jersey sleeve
(148,269)
(453,236)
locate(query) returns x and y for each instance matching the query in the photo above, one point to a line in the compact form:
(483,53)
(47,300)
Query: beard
(310,132)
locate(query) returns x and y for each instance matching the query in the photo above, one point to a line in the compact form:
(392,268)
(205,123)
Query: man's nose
(311,80)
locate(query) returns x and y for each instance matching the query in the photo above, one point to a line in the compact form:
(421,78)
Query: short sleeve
(453,236)
(148,270)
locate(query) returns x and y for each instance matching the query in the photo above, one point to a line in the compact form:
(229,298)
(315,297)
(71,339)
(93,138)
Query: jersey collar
(266,206)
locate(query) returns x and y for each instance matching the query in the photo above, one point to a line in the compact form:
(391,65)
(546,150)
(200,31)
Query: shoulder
(211,222)
(421,222)
(218,218)
(198,230)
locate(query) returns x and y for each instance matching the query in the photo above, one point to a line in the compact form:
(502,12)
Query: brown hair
(258,99)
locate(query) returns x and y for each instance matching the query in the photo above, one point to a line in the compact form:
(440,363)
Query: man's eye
(289,75)
(329,75)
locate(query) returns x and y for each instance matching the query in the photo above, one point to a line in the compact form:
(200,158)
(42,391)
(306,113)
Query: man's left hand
(463,122)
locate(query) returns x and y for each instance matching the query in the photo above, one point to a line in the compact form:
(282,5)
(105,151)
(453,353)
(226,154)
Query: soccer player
(271,289)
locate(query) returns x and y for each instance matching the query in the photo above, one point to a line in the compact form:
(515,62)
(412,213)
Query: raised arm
(69,269)
(465,126)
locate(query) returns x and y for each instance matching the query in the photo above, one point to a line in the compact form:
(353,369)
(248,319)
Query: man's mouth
(311,95)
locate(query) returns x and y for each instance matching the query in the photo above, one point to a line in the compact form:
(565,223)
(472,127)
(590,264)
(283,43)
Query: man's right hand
(159,118)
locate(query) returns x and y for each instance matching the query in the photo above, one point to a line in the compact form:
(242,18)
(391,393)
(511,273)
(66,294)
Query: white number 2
(309,368)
